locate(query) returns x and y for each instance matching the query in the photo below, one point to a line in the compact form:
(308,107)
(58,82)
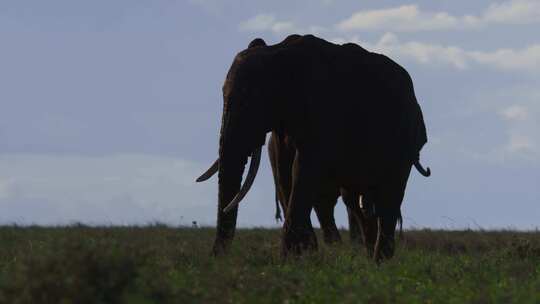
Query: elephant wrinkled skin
(352,117)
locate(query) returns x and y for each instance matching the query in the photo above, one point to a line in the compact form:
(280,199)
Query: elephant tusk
(424,172)
(253,168)
(210,172)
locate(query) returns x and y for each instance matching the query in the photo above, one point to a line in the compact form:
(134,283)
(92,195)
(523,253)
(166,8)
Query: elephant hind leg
(363,228)
(281,158)
(325,214)
(355,232)
(387,208)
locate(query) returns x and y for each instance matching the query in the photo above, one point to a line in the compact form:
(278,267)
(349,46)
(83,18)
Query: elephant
(362,227)
(354,121)
(281,154)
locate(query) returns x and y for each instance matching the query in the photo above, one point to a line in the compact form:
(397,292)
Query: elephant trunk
(230,177)
(237,142)
(232,160)
(250,178)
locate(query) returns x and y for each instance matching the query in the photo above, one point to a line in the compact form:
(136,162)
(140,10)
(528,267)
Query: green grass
(157,264)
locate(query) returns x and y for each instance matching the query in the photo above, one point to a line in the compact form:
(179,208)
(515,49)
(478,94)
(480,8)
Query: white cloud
(267,22)
(510,59)
(407,18)
(118,189)
(527,59)
(519,143)
(210,6)
(402,18)
(522,122)
(5,188)
(261,22)
(328,2)
(513,12)
(422,52)
(518,109)
(411,18)
(514,113)
(283,27)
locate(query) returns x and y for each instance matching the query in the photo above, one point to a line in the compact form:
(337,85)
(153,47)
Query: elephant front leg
(298,233)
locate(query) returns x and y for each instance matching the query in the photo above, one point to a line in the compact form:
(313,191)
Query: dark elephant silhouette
(362,225)
(352,117)
(281,153)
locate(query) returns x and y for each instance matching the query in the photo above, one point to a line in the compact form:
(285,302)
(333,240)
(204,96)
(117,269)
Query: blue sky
(110,109)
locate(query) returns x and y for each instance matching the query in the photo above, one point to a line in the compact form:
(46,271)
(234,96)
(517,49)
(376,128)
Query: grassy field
(157,264)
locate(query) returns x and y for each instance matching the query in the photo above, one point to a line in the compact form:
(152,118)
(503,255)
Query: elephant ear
(257,42)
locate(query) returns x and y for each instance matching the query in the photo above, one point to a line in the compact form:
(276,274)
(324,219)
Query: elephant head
(250,110)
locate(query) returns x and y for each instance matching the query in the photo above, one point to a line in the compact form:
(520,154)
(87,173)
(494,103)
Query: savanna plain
(160,264)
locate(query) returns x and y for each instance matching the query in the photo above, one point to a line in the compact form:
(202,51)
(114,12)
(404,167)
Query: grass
(158,264)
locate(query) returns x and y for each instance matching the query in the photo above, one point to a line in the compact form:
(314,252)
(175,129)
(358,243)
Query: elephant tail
(400,222)
(420,139)
(278,210)
(425,172)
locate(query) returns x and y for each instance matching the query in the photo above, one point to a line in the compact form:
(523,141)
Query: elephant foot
(355,237)
(384,251)
(221,247)
(332,240)
(332,237)
(298,241)
(370,250)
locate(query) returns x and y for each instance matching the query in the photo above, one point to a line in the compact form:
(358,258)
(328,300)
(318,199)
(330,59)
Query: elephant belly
(364,170)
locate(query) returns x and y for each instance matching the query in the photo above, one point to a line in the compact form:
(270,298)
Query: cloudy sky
(110,109)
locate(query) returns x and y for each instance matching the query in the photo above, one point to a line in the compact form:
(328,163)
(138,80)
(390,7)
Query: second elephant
(281,153)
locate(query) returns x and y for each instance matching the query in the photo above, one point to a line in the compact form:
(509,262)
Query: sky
(109,110)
